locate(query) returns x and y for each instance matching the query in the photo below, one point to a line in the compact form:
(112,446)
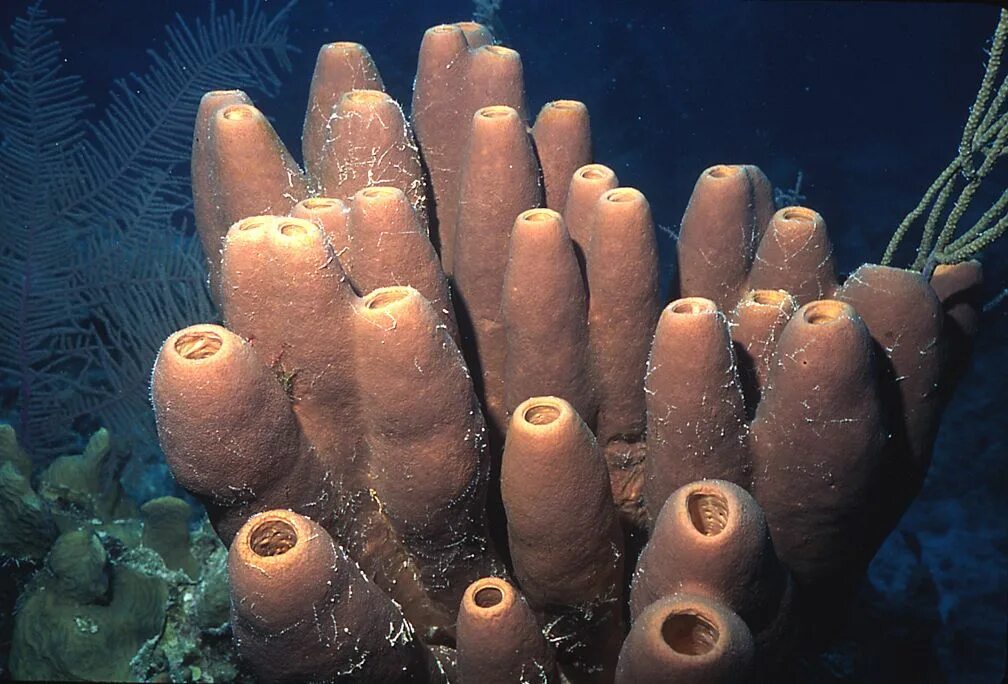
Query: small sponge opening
(572,105)
(239,112)
(381,193)
(693,305)
(539,216)
(386,296)
(823,312)
(689,634)
(798,214)
(195,346)
(495,112)
(620,195)
(594,172)
(488,597)
(293,230)
(774,298)
(315,203)
(541,414)
(273,538)
(367,96)
(722,171)
(343,45)
(708,512)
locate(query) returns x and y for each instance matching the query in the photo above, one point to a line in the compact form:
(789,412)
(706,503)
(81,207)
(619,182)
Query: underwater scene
(503,341)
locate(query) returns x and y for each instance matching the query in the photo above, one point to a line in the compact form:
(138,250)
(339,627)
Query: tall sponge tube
(301,610)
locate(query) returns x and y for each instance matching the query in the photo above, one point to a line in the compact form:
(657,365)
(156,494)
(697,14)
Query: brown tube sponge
(458,72)
(388,246)
(587,185)
(440,110)
(499,639)
(696,424)
(756,324)
(726,217)
(796,255)
(427,456)
(495,78)
(353,390)
(711,538)
(565,543)
(815,444)
(368,143)
(287,292)
(623,309)
(249,171)
(545,316)
(211,225)
(562,134)
(905,318)
(499,181)
(340,68)
(302,610)
(303,323)
(959,288)
(477,35)
(684,639)
(329,214)
(227,429)
(565,539)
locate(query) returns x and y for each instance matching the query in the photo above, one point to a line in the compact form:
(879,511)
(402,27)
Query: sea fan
(96,255)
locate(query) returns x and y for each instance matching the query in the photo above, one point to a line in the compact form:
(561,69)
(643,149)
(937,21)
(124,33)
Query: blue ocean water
(862,104)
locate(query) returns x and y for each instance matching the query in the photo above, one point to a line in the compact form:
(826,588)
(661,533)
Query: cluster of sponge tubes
(419,274)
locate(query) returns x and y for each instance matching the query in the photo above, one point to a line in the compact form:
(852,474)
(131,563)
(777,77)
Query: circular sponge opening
(488,597)
(541,414)
(198,345)
(708,512)
(273,537)
(689,634)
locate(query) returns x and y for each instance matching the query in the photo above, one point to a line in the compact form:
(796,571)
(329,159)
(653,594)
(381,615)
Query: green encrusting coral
(78,623)
(118,594)
(27,529)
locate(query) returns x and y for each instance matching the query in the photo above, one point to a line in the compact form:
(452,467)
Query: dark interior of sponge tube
(488,597)
(799,214)
(693,305)
(541,414)
(273,538)
(293,229)
(593,173)
(722,171)
(821,313)
(689,634)
(769,297)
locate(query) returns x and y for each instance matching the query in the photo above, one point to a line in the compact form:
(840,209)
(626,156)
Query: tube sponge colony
(447,406)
